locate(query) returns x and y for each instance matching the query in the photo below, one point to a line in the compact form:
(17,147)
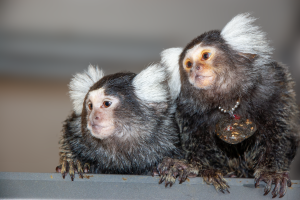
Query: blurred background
(44,43)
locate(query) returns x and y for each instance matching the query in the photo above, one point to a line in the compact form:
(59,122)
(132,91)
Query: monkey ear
(170,59)
(150,85)
(80,85)
(247,39)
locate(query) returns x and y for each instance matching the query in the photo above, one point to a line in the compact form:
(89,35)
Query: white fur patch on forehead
(170,59)
(97,94)
(245,37)
(149,84)
(80,85)
(191,50)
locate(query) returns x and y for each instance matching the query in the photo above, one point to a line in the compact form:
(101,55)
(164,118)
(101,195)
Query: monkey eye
(90,106)
(206,55)
(188,64)
(106,104)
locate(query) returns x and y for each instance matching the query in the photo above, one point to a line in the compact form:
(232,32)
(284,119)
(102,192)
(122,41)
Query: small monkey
(122,123)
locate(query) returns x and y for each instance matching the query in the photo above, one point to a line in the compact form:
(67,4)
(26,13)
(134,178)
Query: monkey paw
(215,178)
(169,169)
(69,167)
(280,179)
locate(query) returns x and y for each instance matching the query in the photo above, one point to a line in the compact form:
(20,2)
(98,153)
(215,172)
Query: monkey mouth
(202,81)
(99,131)
(202,77)
(98,127)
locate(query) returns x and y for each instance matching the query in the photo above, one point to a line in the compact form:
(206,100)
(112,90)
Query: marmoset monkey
(122,123)
(236,108)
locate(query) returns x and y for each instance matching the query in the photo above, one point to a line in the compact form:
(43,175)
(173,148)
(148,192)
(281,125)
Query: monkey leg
(169,169)
(280,179)
(68,166)
(215,178)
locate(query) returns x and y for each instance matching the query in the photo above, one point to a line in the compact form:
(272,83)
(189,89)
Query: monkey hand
(169,169)
(68,166)
(280,179)
(215,177)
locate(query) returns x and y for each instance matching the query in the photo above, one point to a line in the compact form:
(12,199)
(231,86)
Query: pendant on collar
(234,129)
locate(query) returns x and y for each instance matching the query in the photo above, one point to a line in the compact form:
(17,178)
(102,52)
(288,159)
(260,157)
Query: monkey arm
(68,163)
(273,164)
(211,162)
(279,132)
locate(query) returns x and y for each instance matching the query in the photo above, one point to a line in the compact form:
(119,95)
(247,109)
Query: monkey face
(198,64)
(100,113)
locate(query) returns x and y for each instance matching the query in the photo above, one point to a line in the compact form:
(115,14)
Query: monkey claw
(215,178)
(69,167)
(281,181)
(169,169)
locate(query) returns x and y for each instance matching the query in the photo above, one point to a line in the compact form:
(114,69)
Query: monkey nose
(97,118)
(198,67)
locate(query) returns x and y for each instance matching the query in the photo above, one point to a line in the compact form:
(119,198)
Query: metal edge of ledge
(18,185)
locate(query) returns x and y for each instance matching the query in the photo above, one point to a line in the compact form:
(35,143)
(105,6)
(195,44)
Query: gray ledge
(100,186)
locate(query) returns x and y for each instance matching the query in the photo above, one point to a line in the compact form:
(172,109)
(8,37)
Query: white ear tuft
(243,36)
(149,85)
(80,85)
(170,59)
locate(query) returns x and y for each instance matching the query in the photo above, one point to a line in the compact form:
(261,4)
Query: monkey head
(118,105)
(110,106)
(220,64)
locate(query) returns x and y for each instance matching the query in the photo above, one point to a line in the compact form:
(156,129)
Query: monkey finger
(220,176)
(64,169)
(86,167)
(182,176)
(162,179)
(268,187)
(155,172)
(223,186)
(166,184)
(218,186)
(276,188)
(283,188)
(223,180)
(210,178)
(256,181)
(71,170)
(289,183)
(227,190)
(205,179)
(171,177)
(58,169)
(170,180)
(79,169)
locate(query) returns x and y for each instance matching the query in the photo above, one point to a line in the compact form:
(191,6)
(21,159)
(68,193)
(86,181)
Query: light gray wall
(43,43)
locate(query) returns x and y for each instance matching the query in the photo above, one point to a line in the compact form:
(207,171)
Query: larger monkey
(236,108)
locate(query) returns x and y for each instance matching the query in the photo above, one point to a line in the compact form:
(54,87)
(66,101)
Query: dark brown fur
(267,98)
(151,127)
